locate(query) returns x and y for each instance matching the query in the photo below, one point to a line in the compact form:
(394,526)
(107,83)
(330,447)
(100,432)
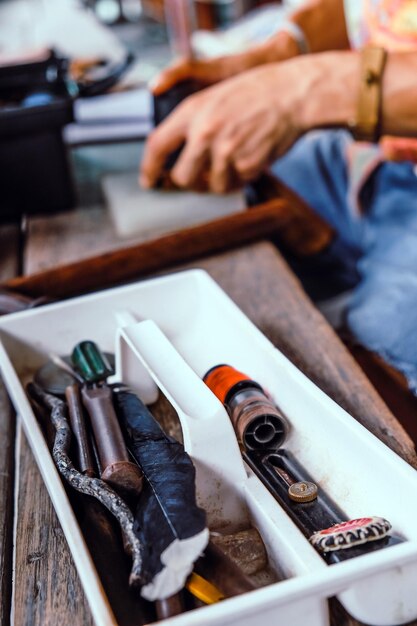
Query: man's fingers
(228,130)
(220,173)
(192,162)
(169,77)
(248,167)
(169,136)
(207,72)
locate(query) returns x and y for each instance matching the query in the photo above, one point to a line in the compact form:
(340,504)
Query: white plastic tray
(191,325)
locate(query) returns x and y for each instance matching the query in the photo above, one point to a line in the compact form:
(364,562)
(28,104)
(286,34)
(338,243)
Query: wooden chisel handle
(118,470)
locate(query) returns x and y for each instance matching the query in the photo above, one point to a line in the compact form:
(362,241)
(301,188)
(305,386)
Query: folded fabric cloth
(372,204)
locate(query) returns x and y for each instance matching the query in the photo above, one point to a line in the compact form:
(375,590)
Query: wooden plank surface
(9,236)
(68,237)
(7,434)
(259,282)
(47,590)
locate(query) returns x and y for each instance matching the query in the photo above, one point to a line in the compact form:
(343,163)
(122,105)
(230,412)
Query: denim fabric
(381,243)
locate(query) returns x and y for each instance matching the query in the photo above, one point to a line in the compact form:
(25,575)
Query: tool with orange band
(258,423)
(262,429)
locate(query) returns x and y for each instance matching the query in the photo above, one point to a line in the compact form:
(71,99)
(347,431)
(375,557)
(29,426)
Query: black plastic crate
(36,102)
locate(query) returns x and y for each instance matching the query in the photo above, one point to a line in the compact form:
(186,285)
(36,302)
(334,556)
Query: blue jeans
(376,247)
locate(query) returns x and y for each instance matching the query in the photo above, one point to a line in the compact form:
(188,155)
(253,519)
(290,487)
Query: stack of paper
(118,116)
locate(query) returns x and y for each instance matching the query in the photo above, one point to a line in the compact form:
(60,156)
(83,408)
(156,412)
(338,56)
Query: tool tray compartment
(167,333)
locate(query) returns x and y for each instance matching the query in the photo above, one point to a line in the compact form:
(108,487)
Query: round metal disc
(304,491)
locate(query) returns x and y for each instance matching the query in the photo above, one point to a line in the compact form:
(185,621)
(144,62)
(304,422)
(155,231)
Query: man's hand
(207,72)
(211,71)
(232,131)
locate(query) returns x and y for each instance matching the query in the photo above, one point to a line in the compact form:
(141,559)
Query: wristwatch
(366,126)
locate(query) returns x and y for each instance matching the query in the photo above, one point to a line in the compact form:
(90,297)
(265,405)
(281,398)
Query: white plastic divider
(223,484)
(129,368)
(208,434)
(224,488)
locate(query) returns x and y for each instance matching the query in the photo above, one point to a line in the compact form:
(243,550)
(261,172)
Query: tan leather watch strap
(367,124)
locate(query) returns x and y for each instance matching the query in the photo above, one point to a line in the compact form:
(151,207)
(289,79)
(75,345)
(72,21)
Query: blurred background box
(35,104)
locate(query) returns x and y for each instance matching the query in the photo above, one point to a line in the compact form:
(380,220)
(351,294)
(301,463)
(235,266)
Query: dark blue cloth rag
(378,244)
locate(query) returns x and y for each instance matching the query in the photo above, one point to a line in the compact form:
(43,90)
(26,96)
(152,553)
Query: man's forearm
(331,89)
(335,84)
(399,95)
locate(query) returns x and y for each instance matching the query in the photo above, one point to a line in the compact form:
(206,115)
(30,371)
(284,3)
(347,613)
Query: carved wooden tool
(260,222)
(305,233)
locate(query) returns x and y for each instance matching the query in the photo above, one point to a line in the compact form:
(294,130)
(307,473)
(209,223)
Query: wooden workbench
(43,589)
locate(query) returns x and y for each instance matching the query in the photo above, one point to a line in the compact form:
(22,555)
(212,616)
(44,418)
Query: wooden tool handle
(79,429)
(118,470)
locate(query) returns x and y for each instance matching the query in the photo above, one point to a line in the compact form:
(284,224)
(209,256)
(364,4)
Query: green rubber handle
(90,362)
